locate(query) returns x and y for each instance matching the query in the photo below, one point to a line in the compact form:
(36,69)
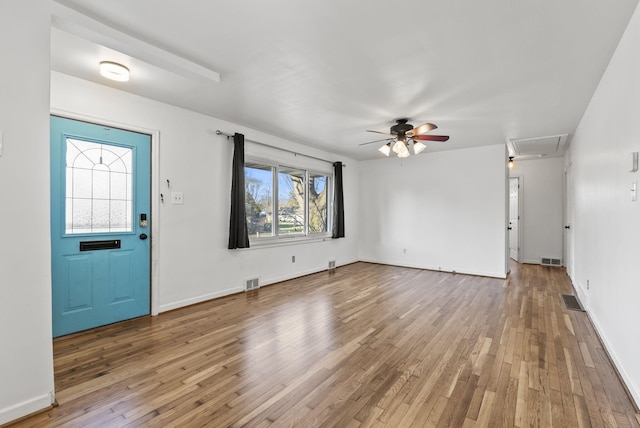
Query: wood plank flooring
(364,346)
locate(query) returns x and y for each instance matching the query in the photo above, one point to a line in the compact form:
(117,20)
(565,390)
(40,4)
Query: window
(318,203)
(259,199)
(291,202)
(286,202)
(99,188)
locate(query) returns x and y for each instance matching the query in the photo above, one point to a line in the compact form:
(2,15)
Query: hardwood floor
(365,345)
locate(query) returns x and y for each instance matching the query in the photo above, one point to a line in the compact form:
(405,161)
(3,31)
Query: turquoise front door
(100,225)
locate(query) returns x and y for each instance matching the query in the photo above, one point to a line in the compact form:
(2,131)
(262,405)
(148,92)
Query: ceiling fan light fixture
(418,147)
(386,149)
(399,146)
(114,71)
(404,139)
(403,150)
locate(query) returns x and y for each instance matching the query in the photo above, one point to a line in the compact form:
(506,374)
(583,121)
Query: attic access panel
(547,146)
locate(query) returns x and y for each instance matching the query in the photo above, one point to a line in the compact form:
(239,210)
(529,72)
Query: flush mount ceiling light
(114,71)
(406,139)
(510,164)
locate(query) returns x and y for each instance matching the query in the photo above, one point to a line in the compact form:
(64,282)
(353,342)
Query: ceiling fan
(404,136)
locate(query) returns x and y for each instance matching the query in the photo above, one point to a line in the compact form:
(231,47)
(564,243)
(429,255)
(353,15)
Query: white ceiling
(321,73)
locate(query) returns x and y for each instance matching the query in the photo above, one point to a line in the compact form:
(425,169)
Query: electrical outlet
(177,198)
(587,284)
(293,259)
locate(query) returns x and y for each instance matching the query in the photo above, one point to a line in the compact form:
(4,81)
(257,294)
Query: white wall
(541,197)
(194,263)
(606,223)
(26,359)
(440,210)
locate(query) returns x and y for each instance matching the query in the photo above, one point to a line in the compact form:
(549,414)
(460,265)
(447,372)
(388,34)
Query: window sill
(281,242)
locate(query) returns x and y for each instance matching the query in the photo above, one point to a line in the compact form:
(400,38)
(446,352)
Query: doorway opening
(514,218)
(100,225)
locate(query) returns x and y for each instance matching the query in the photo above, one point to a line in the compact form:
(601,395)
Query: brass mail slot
(100,245)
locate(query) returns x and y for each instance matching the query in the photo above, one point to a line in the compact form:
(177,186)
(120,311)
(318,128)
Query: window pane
(118,216)
(119,186)
(318,206)
(100,177)
(80,218)
(79,183)
(259,199)
(100,216)
(291,200)
(99,188)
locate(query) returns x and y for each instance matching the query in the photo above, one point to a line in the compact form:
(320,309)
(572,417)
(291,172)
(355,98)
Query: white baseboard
(25,408)
(267,281)
(301,273)
(632,388)
(199,299)
(628,382)
(203,298)
(582,296)
(499,275)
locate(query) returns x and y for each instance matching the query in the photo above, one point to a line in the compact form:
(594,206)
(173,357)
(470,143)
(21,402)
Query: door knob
(143,236)
(509,227)
(567,227)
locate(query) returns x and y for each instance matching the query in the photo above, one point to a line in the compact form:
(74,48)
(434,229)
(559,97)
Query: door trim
(568,257)
(155,190)
(520,178)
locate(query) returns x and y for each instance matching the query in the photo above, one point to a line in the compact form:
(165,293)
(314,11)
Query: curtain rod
(219,132)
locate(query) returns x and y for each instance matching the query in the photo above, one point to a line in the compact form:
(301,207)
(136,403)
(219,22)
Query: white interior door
(514,219)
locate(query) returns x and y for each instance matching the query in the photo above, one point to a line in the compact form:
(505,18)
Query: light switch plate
(177,198)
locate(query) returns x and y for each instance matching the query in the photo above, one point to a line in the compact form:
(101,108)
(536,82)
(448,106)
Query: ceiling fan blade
(378,132)
(431,137)
(421,129)
(376,141)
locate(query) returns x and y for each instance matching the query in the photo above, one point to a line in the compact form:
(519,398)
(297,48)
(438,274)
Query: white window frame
(275,237)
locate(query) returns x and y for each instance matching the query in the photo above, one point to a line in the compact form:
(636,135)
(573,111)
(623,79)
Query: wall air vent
(251,284)
(332,264)
(554,145)
(548,261)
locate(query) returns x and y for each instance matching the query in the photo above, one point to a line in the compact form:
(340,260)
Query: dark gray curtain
(238,234)
(338,202)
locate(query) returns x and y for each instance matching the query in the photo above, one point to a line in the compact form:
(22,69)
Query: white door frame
(568,217)
(155,190)
(520,235)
